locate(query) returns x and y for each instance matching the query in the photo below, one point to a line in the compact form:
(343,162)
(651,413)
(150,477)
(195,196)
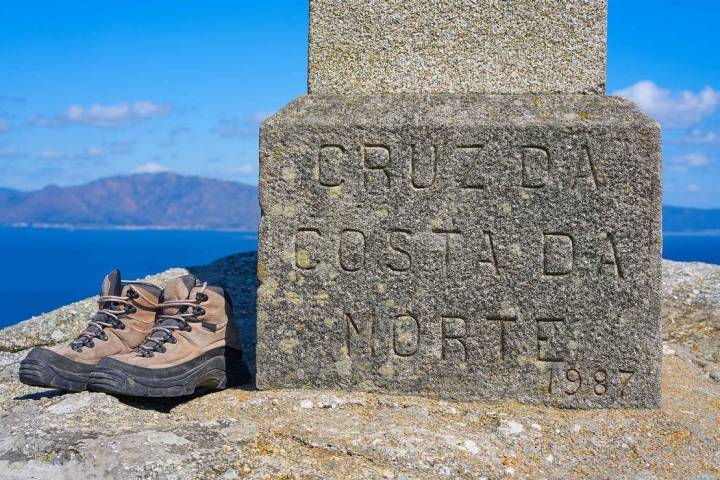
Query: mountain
(177,201)
(679,219)
(150,200)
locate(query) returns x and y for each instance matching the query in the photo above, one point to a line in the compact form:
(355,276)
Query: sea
(45,268)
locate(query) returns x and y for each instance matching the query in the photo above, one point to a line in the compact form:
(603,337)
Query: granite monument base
(463,247)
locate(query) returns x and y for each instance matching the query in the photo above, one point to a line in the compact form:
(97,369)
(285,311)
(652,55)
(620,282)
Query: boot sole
(45,368)
(216,369)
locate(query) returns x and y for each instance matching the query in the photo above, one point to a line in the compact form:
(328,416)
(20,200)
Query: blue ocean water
(692,247)
(43,269)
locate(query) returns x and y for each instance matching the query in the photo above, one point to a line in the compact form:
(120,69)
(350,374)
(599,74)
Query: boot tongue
(112,284)
(176,289)
(149,295)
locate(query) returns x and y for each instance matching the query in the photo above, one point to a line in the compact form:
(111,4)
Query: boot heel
(214,379)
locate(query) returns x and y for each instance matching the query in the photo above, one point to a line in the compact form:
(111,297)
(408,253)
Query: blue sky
(91,89)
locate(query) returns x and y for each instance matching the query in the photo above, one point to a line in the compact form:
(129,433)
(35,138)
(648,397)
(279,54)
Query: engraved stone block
(465,247)
(457,46)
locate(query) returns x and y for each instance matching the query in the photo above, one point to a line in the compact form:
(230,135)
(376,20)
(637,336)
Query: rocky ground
(243,433)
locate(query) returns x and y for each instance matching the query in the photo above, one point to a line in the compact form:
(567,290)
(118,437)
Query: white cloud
(94,152)
(151,167)
(699,137)
(257,118)
(682,163)
(244,169)
(48,154)
(88,153)
(104,116)
(694,188)
(695,160)
(673,110)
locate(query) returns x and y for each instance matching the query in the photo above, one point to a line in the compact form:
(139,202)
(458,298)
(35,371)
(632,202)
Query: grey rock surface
(691,309)
(302,434)
(457,46)
(468,247)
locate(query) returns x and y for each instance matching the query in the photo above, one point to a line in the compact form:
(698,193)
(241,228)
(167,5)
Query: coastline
(207,228)
(68,226)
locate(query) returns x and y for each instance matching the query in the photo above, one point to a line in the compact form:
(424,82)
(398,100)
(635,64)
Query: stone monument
(457,210)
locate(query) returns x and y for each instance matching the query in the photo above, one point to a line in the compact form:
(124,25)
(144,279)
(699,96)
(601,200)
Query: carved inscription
(468,158)
(598,382)
(304,240)
(459,253)
(398,242)
(454,337)
(330,159)
(548,346)
(423,167)
(558,253)
(354,329)
(469,258)
(376,159)
(611,258)
(488,255)
(535,167)
(585,171)
(352,250)
(406,335)
(450,237)
(404,338)
(467,165)
(503,321)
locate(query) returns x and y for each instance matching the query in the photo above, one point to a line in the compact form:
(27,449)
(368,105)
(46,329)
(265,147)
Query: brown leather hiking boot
(126,316)
(194,344)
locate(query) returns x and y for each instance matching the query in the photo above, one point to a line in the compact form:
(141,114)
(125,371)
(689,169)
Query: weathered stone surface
(691,309)
(301,434)
(457,46)
(348,435)
(483,247)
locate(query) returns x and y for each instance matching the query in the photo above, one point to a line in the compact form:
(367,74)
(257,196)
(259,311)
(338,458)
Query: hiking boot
(194,344)
(125,317)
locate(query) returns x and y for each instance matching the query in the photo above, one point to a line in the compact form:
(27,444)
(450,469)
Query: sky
(91,89)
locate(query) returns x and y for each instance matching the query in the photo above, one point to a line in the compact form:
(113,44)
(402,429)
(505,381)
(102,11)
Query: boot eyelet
(131,309)
(132,294)
(201,297)
(162,349)
(198,311)
(188,329)
(91,344)
(104,337)
(121,326)
(172,340)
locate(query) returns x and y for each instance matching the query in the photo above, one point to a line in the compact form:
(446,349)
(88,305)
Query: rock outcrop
(243,433)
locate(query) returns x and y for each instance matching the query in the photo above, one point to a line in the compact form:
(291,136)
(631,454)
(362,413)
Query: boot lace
(166,325)
(112,308)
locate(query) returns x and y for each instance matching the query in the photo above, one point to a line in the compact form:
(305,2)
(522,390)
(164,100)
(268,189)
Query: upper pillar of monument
(457,46)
